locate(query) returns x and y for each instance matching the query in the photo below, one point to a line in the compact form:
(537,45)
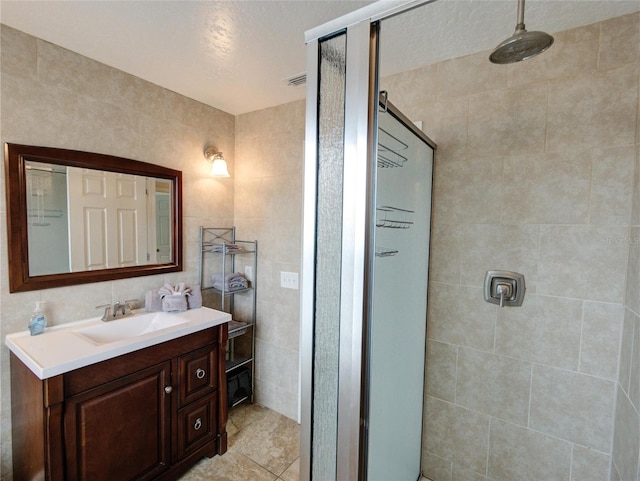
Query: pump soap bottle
(38,320)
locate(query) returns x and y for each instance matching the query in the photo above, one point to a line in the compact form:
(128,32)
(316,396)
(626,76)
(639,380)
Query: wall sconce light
(218,164)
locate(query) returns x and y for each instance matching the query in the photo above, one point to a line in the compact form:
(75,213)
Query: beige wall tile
(595,106)
(447,243)
(461,474)
(441,370)
(632,297)
(548,188)
(612,186)
(589,465)
(572,406)
(505,121)
(626,349)
(583,262)
(573,52)
(268,207)
(140,95)
(23,100)
(544,329)
(619,41)
(635,210)
(456,434)
(411,90)
(435,468)
(600,340)
(445,122)
(61,67)
(626,439)
(525,455)
(490,247)
(634,379)
(614,476)
(464,187)
(454,80)
(459,315)
(22,57)
(494,385)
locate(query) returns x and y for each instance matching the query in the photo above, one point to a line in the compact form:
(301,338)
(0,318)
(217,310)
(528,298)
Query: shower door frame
(361,101)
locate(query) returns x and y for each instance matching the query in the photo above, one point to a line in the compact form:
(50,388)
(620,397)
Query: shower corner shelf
(385,252)
(389,148)
(222,252)
(393,217)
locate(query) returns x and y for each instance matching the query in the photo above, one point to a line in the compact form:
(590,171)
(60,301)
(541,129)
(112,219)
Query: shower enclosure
(368,178)
(397,316)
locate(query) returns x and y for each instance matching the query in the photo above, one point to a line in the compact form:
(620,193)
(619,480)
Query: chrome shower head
(522,45)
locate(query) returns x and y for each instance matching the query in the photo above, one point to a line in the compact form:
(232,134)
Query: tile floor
(262,446)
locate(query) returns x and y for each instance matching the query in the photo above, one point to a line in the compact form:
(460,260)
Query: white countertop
(61,349)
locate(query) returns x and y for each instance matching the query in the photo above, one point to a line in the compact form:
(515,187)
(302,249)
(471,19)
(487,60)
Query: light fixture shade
(218,164)
(219,168)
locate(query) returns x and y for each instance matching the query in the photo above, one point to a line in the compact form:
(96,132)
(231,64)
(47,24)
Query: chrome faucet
(116,311)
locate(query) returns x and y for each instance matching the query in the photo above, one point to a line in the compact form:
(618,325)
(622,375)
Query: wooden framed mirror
(79,217)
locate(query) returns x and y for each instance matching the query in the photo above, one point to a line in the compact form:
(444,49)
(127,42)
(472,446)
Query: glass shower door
(398,303)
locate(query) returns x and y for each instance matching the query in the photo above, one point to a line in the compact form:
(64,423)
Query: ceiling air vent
(297,80)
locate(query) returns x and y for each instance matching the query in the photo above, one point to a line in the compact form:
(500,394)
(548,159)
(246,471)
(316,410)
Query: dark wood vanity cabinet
(147,415)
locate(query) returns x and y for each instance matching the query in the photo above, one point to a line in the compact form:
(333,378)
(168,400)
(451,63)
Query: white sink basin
(130,327)
(65,347)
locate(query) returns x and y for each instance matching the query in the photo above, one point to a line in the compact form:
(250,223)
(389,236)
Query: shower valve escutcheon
(505,288)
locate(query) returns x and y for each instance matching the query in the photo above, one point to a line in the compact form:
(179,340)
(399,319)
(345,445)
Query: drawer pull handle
(198,424)
(168,389)
(200,373)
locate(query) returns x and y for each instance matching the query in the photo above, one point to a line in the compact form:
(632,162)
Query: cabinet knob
(200,373)
(168,389)
(198,424)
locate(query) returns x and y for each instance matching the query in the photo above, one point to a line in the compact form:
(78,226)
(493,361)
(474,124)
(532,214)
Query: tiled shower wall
(534,173)
(626,443)
(56,98)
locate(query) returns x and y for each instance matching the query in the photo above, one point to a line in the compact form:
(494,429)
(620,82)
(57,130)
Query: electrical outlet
(248,272)
(289,280)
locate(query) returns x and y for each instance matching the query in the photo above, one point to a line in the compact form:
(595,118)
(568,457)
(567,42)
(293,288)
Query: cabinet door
(120,430)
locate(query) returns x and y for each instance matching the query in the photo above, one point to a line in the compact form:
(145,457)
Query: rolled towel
(174,303)
(174,298)
(232,281)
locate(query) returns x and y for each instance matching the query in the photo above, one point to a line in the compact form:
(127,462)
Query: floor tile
(263,445)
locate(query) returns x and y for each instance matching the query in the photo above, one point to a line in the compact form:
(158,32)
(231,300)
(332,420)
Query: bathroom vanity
(99,403)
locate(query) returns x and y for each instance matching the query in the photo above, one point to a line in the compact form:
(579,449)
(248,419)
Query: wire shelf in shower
(393,217)
(389,148)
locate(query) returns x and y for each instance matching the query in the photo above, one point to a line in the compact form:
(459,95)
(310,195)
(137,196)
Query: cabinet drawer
(197,425)
(198,374)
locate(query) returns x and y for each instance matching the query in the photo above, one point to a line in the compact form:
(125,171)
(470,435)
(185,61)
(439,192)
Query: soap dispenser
(38,320)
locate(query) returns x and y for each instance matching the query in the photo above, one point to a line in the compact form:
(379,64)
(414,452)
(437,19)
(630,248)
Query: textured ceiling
(235,55)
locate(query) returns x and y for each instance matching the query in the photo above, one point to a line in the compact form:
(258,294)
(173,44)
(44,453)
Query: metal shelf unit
(221,254)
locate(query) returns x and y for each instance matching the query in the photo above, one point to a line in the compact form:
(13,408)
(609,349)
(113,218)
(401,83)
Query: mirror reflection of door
(108,219)
(47,215)
(159,220)
(163,226)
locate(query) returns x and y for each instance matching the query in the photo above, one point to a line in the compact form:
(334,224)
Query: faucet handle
(129,305)
(107,311)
